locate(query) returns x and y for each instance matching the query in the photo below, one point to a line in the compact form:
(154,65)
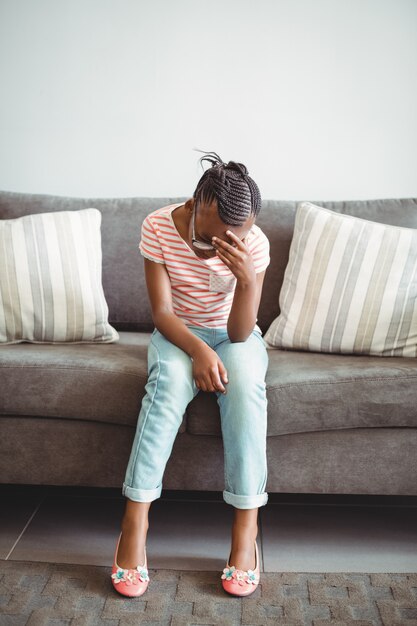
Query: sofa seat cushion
(306,391)
(98,382)
(309,391)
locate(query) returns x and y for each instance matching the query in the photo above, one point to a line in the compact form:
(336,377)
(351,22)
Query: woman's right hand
(208,370)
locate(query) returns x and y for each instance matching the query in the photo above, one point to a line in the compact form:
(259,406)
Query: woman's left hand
(237,257)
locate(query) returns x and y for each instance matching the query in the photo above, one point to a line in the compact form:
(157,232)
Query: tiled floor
(191,530)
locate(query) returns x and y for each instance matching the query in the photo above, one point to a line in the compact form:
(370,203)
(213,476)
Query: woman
(205,263)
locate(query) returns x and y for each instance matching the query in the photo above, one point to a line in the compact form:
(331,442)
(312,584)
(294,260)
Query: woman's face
(207,224)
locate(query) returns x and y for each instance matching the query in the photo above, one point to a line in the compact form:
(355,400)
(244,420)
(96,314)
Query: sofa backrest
(122,274)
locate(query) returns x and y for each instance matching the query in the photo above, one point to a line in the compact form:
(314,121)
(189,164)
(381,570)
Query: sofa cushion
(96,382)
(50,279)
(311,392)
(350,287)
(306,391)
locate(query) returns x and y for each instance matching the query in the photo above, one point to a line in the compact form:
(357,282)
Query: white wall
(109,97)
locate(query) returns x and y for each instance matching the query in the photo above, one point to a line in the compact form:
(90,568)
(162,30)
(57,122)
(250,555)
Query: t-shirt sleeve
(149,245)
(259,249)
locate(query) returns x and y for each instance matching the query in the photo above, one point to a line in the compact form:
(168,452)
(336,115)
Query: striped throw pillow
(50,279)
(350,286)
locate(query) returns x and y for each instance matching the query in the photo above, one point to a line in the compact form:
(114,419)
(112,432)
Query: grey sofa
(68,413)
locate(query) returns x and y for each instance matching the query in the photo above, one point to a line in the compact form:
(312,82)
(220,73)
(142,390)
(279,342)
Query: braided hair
(238,196)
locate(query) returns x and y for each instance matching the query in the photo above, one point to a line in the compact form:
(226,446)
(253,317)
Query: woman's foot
(241,582)
(243,558)
(131,552)
(132,581)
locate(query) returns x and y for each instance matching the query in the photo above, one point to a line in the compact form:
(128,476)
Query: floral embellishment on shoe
(129,576)
(143,573)
(228,572)
(251,577)
(240,576)
(121,575)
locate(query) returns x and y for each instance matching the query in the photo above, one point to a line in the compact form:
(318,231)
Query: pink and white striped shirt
(202,289)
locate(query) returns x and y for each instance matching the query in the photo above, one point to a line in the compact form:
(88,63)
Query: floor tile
(182,534)
(17,508)
(192,530)
(191,535)
(310,538)
(71,529)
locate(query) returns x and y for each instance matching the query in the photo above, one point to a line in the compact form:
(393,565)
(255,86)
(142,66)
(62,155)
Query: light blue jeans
(243,410)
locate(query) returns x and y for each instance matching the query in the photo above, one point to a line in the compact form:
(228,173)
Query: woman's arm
(164,318)
(248,290)
(244,311)
(207,366)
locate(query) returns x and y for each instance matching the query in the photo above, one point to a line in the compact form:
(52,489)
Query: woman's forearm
(174,329)
(242,317)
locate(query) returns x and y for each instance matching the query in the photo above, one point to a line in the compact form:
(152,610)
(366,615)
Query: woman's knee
(169,364)
(245,360)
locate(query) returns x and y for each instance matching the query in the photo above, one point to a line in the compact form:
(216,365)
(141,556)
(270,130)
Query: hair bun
(240,167)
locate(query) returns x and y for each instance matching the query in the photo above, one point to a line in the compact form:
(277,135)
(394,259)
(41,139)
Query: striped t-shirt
(202,289)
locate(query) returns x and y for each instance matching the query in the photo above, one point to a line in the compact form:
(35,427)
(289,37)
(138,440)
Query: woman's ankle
(241,534)
(134,527)
(130,524)
(247,527)
(136,515)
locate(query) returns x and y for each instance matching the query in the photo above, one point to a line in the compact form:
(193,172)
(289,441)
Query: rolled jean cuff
(141,495)
(245,502)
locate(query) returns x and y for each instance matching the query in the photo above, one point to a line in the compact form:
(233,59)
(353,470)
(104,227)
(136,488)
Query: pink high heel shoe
(241,582)
(129,582)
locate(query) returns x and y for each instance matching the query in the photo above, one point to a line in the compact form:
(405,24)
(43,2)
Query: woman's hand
(208,370)
(237,257)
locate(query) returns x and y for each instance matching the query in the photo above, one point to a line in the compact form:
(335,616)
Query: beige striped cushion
(50,279)
(350,286)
